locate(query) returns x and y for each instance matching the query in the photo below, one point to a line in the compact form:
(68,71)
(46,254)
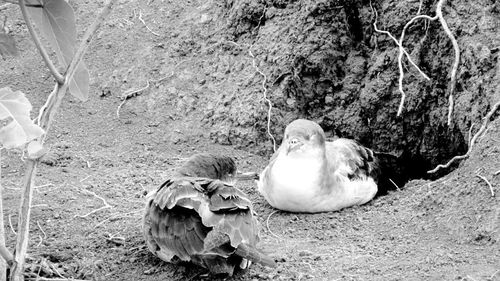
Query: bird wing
(231,216)
(349,159)
(199,219)
(172,226)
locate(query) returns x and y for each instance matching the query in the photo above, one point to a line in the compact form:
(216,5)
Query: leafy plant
(55,20)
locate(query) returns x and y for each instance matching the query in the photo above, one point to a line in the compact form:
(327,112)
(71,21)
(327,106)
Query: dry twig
(397,187)
(489,184)
(116,217)
(106,205)
(143,22)
(267,225)
(10,224)
(38,278)
(128,95)
(472,142)
(114,238)
(41,229)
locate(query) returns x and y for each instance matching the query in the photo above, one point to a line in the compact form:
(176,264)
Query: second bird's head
(211,166)
(303,137)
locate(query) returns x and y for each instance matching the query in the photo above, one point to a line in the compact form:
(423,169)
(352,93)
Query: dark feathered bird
(199,216)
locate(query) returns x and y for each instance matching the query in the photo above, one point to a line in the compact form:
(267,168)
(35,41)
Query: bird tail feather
(251,253)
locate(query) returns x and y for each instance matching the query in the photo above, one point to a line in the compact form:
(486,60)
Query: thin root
(394,184)
(472,142)
(106,205)
(44,234)
(267,225)
(264,93)
(489,184)
(143,22)
(10,224)
(439,16)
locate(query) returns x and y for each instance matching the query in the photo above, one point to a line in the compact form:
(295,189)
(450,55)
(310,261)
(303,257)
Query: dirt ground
(107,155)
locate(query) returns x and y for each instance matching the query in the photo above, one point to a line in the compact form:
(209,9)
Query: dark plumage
(198,217)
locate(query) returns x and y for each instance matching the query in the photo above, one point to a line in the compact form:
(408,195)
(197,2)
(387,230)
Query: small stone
(305,253)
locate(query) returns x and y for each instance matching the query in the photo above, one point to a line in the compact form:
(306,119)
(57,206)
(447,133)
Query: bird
(310,174)
(199,216)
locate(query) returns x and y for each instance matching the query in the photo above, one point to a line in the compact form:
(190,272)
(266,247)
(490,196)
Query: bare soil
(204,94)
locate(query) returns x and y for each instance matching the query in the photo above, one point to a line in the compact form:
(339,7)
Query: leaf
(35,149)
(56,21)
(7,45)
(21,129)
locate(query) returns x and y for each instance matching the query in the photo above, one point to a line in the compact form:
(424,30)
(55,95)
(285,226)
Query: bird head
(211,166)
(303,136)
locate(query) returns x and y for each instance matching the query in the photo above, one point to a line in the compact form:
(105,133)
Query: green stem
(58,76)
(23,222)
(46,117)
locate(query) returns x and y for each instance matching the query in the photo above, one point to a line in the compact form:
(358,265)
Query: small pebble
(305,253)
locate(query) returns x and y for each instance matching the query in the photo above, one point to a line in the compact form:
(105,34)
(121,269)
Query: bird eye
(294,141)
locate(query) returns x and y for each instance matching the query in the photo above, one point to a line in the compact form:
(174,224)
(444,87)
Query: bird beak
(292,146)
(246,176)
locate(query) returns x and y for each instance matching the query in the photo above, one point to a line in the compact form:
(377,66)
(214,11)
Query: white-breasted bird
(309,174)
(199,216)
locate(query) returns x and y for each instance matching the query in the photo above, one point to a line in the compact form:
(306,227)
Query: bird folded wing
(349,159)
(175,233)
(202,217)
(228,198)
(180,192)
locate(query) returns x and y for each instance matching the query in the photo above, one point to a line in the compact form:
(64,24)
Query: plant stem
(23,222)
(56,97)
(3,264)
(46,116)
(59,78)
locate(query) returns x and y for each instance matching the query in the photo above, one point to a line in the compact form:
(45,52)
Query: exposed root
(472,142)
(267,225)
(397,187)
(453,81)
(438,16)
(139,16)
(401,48)
(264,93)
(470,134)
(497,172)
(489,184)
(106,205)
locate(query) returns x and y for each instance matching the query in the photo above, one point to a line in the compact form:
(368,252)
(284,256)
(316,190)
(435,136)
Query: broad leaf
(20,129)
(56,21)
(7,45)
(35,149)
